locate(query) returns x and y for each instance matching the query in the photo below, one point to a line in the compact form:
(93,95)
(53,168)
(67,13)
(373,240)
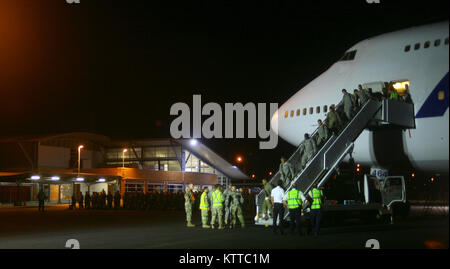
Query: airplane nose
(274,122)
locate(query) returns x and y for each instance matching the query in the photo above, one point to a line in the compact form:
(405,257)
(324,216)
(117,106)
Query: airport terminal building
(70,163)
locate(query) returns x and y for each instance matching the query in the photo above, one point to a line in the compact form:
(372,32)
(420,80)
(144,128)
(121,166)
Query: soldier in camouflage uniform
(227,205)
(189,201)
(323,132)
(236,199)
(307,149)
(333,120)
(348,104)
(286,172)
(267,205)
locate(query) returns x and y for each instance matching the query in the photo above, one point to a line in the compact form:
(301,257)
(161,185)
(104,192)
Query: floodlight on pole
(123,158)
(79,158)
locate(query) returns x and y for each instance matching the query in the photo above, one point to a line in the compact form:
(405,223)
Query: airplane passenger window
(318,109)
(437,42)
(417,46)
(311,110)
(286,114)
(407,48)
(298,112)
(325,109)
(292,113)
(427,45)
(304,111)
(446,41)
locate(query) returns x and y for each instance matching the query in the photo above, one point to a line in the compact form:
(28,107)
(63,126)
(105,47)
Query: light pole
(123,158)
(79,158)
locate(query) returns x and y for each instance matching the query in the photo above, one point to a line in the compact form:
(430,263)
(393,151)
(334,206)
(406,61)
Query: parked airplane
(417,56)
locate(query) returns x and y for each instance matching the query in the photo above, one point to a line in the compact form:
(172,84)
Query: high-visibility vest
(217,199)
(294,199)
(204,205)
(393,95)
(316,195)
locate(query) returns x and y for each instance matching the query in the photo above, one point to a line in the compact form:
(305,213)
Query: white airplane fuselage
(384,59)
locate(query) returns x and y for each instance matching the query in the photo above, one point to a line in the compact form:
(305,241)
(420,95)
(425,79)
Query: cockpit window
(349,56)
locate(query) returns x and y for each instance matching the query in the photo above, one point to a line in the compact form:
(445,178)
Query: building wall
(51,157)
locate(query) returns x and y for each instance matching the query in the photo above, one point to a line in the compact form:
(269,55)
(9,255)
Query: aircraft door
(393,190)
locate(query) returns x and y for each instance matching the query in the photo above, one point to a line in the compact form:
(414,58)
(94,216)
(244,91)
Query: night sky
(115,67)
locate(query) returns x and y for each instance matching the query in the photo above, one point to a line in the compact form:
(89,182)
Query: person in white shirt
(277,197)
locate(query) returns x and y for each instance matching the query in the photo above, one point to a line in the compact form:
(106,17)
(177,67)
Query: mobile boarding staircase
(373,114)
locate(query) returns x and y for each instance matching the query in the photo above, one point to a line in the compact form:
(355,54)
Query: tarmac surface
(26,228)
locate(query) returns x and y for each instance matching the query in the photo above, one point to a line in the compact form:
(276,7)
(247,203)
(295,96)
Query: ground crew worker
(227,193)
(393,94)
(188,203)
(237,200)
(348,104)
(323,132)
(277,196)
(307,149)
(334,120)
(41,198)
(286,172)
(267,205)
(204,207)
(294,201)
(217,207)
(316,195)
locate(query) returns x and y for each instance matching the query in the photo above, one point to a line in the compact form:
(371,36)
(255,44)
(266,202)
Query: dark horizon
(115,68)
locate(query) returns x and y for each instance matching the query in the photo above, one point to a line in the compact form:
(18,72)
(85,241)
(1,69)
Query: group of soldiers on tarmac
(155,200)
(216,201)
(96,200)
